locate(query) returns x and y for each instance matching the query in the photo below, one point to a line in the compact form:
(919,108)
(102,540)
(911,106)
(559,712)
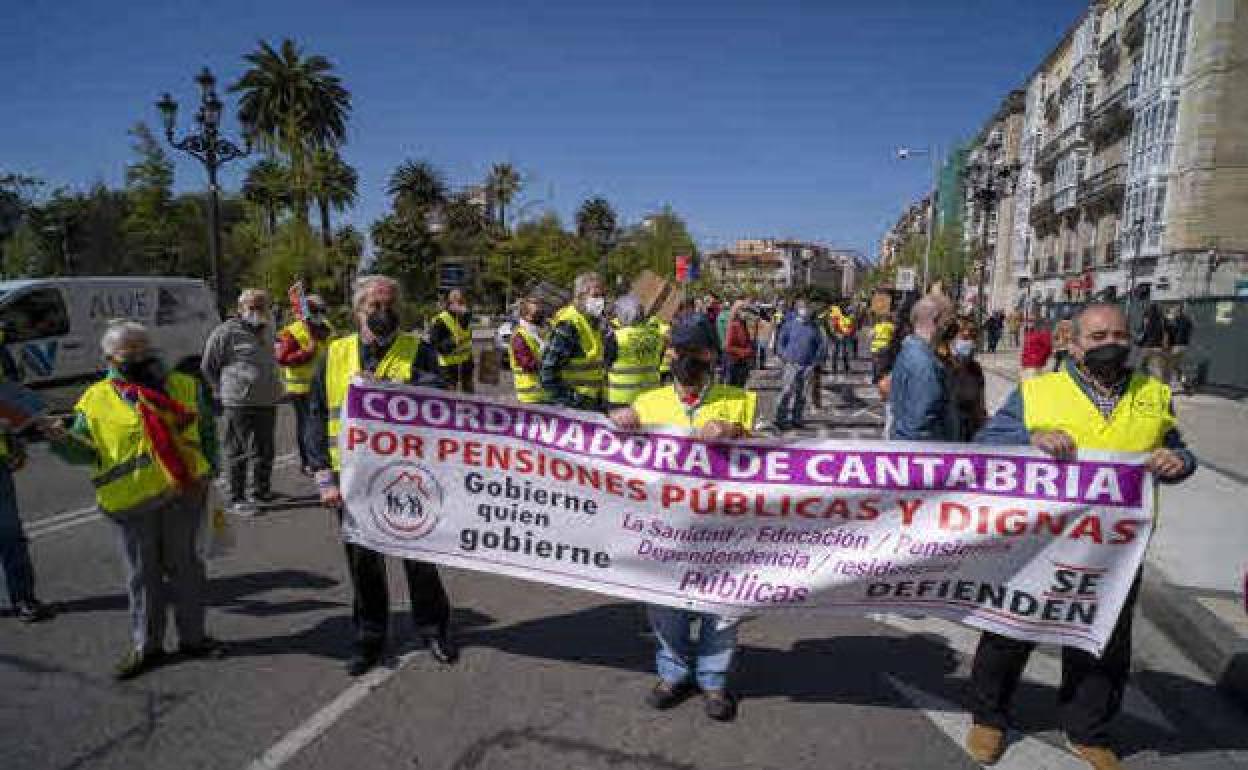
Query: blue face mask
(963,348)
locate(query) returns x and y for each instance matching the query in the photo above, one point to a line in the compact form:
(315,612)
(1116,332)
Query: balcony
(1104,189)
(1071,137)
(1133,30)
(1112,117)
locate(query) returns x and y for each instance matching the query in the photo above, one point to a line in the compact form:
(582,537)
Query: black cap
(691,335)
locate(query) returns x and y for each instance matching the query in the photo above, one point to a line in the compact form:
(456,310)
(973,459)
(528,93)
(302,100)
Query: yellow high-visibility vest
(528,386)
(127,475)
(298,379)
(665,333)
(636,367)
(882,335)
(584,374)
(343,362)
(662,406)
(1139,423)
(462,337)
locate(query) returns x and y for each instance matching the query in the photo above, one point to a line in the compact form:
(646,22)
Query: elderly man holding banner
(1093,402)
(715,412)
(380,352)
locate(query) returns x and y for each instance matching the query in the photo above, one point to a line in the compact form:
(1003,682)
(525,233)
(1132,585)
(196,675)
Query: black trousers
(302,406)
(370,599)
(459,377)
(249,441)
(738,372)
(1090,694)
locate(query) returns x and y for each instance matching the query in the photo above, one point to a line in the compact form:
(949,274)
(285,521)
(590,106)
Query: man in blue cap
(687,662)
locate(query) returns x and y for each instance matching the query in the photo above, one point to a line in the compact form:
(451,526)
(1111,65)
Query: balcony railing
(1105,187)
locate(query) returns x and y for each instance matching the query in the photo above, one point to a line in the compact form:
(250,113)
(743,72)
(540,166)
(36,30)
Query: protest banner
(1003,539)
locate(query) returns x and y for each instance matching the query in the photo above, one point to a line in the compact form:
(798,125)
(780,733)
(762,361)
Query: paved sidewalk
(1199,553)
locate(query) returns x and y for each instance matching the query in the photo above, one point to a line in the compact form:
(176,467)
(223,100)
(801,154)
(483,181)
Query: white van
(53,326)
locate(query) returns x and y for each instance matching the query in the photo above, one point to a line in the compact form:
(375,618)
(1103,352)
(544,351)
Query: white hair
(247,295)
(584,281)
(628,310)
(120,333)
(366,283)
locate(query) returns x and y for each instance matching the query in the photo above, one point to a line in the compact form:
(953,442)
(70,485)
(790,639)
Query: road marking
(59,522)
(316,725)
(1028,753)
(1041,669)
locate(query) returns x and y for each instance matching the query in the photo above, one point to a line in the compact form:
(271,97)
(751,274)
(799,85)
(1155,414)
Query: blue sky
(749,118)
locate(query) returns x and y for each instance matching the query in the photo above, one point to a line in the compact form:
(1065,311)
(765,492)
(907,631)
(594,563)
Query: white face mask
(253,317)
(963,348)
(595,305)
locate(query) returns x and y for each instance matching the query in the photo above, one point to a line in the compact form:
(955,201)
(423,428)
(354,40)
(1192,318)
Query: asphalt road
(550,678)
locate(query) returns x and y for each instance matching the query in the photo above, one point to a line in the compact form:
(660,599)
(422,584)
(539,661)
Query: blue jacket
(1008,427)
(802,343)
(919,396)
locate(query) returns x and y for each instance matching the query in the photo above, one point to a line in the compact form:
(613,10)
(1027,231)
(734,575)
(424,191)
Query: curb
(1216,648)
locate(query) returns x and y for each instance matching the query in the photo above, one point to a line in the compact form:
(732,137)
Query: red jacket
(739,345)
(1037,347)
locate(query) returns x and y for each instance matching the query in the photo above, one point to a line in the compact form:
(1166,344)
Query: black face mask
(142,371)
(690,371)
(383,323)
(1107,363)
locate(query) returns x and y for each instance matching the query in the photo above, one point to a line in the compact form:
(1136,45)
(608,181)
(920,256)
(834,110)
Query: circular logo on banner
(404,500)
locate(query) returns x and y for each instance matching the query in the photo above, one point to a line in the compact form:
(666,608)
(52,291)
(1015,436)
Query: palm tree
(333,184)
(292,104)
(502,185)
(418,187)
(595,222)
(267,185)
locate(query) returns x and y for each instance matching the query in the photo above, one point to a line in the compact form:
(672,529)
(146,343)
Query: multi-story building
(1133,148)
(910,225)
(770,264)
(989,228)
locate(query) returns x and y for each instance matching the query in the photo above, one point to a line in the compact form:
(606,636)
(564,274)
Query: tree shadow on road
(852,670)
(231,593)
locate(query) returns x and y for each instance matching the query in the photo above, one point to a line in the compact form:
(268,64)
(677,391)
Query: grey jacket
(240,366)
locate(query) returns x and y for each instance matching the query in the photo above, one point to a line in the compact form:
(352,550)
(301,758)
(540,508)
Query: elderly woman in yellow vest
(148,434)
(379,351)
(1094,402)
(450,333)
(713,412)
(633,354)
(300,347)
(572,373)
(524,351)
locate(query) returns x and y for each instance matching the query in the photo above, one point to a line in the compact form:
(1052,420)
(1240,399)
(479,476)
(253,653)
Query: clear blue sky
(750,118)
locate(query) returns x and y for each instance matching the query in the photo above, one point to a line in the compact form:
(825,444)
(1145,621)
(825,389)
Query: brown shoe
(1097,757)
(985,744)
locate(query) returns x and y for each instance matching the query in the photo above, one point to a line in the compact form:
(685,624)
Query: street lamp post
(209,148)
(987,184)
(904,153)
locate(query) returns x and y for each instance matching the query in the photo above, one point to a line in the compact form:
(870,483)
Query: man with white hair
(572,372)
(149,436)
(240,365)
(378,351)
(633,353)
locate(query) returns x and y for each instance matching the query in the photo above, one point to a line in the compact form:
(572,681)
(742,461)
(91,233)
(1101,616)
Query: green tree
(502,185)
(24,254)
(596,223)
(334,186)
(404,249)
(653,245)
(293,104)
(267,185)
(148,225)
(418,189)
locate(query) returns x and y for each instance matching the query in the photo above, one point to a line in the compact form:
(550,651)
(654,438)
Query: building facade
(770,265)
(1132,145)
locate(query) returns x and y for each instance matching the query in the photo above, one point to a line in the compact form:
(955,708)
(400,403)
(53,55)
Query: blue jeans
(19,575)
(680,657)
(792,401)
